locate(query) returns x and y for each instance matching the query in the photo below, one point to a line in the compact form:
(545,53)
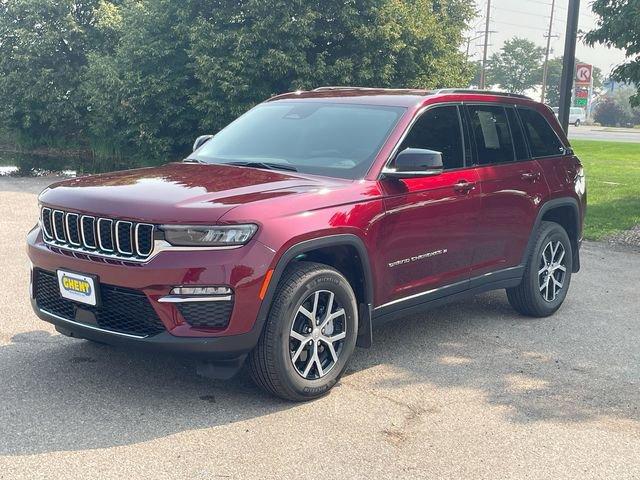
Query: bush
(609,113)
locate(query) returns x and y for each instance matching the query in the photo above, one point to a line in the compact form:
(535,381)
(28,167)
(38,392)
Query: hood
(177,192)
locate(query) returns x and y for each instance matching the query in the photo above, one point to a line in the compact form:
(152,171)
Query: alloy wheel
(317,335)
(552,270)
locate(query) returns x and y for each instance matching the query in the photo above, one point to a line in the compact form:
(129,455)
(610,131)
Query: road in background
(471,390)
(584,132)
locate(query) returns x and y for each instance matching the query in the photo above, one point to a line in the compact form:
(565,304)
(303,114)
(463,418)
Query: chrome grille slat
(105,234)
(123,237)
(88,225)
(72,229)
(47,222)
(105,237)
(58,226)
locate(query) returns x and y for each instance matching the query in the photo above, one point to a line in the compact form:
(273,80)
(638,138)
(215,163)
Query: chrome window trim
(100,236)
(44,228)
(137,243)
(117,245)
(67,216)
(85,244)
(53,223)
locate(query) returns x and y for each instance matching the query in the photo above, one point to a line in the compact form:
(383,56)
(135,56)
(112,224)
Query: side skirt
(506,278)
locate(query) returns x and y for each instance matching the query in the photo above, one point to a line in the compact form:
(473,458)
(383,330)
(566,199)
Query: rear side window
(518,136)
(490,127)
(438,129)
(543,140)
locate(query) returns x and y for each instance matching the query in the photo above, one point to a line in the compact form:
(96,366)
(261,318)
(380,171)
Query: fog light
(201,291)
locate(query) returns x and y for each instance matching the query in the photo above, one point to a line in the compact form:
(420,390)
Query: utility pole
(545,71)
(483,73)
(569,64)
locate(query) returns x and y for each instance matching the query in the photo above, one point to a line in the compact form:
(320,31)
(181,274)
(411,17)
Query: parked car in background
(279,240)
(577,115)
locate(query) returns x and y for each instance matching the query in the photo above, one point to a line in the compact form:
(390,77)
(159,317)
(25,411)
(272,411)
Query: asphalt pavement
(471,390)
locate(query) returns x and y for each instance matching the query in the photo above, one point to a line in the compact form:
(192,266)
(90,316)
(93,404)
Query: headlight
(208,235)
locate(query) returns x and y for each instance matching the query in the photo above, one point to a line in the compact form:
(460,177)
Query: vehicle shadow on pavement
(540,369)
(66,394)
(61,394)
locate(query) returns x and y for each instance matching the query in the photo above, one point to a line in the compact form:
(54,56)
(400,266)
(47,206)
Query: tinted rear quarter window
(543,140)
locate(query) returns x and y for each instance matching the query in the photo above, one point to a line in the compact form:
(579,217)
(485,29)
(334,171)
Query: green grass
(613,186)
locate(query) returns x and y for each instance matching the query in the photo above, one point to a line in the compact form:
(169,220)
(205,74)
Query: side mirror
(201,140)
(415,162)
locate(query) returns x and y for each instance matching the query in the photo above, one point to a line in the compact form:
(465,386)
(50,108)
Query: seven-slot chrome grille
(97,235)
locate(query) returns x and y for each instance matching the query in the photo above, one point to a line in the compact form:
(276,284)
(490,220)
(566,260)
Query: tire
(539,295)
(577,124)
(281,359)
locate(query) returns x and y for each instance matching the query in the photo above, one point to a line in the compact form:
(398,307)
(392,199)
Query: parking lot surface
(470,390)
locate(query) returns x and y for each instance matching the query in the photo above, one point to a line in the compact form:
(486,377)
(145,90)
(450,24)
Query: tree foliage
(43,49)
(145,76)
(618,25)
(615,108)
(517,67)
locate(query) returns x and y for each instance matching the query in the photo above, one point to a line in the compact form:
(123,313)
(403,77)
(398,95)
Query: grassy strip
(613,186)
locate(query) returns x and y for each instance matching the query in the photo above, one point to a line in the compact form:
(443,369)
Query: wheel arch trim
(292,252)
(547,207)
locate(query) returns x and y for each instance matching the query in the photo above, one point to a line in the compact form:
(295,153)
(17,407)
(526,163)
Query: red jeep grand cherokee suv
(285,235)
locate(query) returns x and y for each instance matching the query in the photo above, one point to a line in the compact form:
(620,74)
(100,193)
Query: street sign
(583,73)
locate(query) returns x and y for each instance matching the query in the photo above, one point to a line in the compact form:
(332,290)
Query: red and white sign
(583,73)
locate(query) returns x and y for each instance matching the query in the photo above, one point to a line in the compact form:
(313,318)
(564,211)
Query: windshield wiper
(193,160)
(265,165)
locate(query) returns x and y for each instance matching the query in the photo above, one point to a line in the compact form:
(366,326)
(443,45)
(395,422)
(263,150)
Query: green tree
(43,47)
(181,68)
(517,67)
(554,75)
(618,25)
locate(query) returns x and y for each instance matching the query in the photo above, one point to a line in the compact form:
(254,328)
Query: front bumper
(222,348)
(242,269)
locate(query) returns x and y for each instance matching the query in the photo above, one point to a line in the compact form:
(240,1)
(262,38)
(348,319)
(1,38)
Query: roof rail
(481,92)
(337,87)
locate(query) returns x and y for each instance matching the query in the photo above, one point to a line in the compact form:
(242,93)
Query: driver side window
(438,129)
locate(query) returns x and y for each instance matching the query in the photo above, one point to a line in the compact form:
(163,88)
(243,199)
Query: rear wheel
(577,124)
(309,335)
(547,275)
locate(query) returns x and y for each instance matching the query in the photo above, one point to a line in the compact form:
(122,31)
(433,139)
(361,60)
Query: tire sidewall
(553,232)
(320,280)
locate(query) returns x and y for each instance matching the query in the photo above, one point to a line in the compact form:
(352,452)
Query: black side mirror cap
(415,162)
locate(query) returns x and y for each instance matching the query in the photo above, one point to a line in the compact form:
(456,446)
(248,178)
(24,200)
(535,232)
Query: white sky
(530,19)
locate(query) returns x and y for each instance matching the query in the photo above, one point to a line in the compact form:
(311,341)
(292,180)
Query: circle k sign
(583,73)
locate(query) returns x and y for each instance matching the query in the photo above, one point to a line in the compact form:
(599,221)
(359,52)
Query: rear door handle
(463,186)
(530,176)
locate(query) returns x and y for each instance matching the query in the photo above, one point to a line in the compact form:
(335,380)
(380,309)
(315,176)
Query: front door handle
(530,176)
(463,186)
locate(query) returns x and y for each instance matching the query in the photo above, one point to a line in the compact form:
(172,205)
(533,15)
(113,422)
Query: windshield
(336,140)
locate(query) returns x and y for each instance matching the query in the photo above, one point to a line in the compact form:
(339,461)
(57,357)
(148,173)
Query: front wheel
(547,275)
(577,124)
(309,335)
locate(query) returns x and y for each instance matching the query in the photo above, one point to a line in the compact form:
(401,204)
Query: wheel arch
(344,252)
(565,212)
